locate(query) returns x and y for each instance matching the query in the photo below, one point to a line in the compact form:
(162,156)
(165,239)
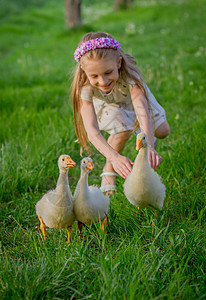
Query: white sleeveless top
(115,111)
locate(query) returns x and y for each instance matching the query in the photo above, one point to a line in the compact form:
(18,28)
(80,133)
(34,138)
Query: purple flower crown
(95,44)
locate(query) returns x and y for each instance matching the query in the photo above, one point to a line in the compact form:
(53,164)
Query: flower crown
(95,44)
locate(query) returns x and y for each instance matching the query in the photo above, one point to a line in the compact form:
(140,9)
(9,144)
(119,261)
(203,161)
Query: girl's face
(103,73)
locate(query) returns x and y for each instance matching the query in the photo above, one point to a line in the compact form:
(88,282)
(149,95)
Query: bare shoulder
(137,94)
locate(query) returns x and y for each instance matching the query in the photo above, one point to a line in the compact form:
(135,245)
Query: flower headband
(95,44)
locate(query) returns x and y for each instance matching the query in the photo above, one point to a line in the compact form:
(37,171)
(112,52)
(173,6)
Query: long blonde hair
(128,71)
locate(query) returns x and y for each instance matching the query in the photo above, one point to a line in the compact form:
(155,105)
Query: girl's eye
(109,72)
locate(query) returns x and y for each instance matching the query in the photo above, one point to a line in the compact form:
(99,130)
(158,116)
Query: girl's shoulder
(134,79)
(87,92)
(126,82)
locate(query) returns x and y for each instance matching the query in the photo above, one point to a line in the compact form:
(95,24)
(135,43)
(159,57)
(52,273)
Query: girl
(109,94)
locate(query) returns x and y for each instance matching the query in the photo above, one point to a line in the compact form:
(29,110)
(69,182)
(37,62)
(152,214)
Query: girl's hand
(154,158)
(122,165)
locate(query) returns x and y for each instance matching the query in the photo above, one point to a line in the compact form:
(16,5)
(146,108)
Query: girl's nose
(102,80)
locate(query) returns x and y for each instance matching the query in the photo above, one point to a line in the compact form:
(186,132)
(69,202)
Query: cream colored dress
(115,111)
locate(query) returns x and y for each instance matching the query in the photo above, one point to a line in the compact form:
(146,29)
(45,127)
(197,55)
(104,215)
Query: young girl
(110,95)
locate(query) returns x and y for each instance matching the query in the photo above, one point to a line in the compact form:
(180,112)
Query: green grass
(141,256)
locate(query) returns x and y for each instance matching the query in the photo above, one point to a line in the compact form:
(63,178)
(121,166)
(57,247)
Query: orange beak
(139,145)
(70,162)
(89,166)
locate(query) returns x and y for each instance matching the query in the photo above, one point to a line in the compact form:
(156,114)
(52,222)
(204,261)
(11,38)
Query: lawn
(141,256)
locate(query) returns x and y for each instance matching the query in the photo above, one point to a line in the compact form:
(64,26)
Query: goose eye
(63,159)
(143,138)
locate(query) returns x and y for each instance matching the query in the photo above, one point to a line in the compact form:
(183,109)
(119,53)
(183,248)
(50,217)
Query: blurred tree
(73,10)
(73,13)
(122,4)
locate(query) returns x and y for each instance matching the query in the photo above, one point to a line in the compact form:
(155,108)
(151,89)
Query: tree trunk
(122,4)
(73,13)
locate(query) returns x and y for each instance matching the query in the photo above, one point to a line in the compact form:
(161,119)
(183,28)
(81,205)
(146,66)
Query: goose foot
(155,212)
(69,229)
(104,224)
(80,226)
(140,210)
(43,228)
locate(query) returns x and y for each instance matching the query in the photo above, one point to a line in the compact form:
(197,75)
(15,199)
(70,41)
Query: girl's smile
(102,73)
(106,86)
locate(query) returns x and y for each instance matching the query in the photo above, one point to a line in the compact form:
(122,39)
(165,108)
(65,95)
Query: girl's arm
(121,164)
(143,116)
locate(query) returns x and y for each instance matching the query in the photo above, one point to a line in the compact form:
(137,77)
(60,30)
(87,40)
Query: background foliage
(141,256)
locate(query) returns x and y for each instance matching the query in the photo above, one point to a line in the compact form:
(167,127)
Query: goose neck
(143,152)
(84,178)
(141,158)
(63,189)
(63,178)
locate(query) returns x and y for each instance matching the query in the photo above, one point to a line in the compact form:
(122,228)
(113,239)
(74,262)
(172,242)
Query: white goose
(90,204)
(143,186)
(55,209)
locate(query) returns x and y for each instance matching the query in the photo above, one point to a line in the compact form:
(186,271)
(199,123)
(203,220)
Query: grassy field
(140,256)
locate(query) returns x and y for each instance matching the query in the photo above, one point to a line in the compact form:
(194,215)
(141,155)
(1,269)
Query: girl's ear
(119,63)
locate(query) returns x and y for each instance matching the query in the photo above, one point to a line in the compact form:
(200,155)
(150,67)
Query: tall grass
(140,256)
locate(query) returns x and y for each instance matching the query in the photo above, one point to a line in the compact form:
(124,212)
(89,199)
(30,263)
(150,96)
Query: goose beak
(89,166)
(70,162)
(139,145)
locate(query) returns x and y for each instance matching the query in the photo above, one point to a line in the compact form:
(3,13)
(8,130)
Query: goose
(143,186)
(55,209)
(90,204)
